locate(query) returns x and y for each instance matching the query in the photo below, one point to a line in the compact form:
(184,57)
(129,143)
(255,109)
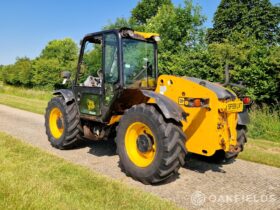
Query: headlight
(157,38)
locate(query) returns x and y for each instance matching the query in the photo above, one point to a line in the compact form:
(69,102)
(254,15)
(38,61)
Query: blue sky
(27,26)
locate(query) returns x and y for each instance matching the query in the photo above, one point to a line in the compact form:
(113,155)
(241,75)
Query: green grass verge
(25,93)
(33,179)
(262,151)
(25,99)
(28,104)
(265,123)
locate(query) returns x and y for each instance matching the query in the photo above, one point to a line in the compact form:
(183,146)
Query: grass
(25,93)
(33,179)
(262,151)
(28,104)
(26,99)
(265,123)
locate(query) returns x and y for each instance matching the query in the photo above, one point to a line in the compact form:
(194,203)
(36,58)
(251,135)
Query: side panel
(202,127)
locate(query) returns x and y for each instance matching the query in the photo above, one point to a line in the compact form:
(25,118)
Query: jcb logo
(183,101)
(90,104)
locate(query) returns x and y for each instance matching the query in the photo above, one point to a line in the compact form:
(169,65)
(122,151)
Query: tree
(46,73)
(18,73)
(1,72)
(179,27)
(23,67)
(146,9)
(257,66)
(253,18)
(143,11)
(181,33)
(65,51)
(57,56)
(120,23)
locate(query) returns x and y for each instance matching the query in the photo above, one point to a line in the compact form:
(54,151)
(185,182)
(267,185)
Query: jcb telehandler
(157,119)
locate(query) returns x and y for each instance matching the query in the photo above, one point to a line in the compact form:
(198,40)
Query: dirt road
(201,185)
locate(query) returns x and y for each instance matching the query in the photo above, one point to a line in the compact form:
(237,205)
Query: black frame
(118,85)
(85,39)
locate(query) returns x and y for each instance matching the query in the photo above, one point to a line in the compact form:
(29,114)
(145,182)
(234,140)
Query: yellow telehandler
(156,119)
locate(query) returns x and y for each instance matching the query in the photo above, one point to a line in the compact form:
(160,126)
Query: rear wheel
(62,123)
(150,148)
(241,140)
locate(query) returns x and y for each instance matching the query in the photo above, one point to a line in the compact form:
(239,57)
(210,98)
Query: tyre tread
(173,139)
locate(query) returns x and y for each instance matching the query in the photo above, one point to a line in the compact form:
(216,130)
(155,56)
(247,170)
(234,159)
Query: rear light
(246,100)
(194,102)
(197,102)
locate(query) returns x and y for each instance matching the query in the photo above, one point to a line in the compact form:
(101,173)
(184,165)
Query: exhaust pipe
(226,75)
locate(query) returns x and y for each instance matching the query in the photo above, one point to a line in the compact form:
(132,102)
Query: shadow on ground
(194,162)
(98,148)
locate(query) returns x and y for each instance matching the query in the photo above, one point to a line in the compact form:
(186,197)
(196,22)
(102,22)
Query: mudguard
(169,108)
(243,117)
(67,94)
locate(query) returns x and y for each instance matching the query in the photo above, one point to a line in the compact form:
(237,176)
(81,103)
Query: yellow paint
(151,82)
(146,35)
(114,119)
(132,133)
(55,115)
(90,104)
(206,128)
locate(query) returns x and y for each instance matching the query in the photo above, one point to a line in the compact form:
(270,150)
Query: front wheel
(62,123)
(150,148)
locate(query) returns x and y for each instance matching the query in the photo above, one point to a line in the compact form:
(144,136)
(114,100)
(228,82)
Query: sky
(27,26)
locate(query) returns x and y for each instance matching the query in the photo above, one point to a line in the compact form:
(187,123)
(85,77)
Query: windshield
(138,63)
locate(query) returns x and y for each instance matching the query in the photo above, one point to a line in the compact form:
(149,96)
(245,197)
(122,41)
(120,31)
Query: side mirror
(66,76)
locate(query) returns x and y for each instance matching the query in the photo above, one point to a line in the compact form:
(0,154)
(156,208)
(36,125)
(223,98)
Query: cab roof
(136,34)
(146,35)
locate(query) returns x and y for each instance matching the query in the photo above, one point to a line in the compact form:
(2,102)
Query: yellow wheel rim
(56,123)
(133,135)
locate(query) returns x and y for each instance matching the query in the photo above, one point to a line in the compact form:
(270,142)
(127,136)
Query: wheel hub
(144,143)
(56,123)
(59,123)
(140,144)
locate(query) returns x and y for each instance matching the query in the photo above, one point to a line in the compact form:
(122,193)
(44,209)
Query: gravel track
(200,185)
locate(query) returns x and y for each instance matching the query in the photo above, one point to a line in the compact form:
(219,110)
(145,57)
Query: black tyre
(241,140)
(62,123)
(150,148)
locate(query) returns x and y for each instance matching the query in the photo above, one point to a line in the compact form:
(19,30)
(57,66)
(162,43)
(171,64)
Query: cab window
(138,63)
(90,74)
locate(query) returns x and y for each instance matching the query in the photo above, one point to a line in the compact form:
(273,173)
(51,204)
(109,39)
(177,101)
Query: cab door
(88,88)
(98,75)
(111,66)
